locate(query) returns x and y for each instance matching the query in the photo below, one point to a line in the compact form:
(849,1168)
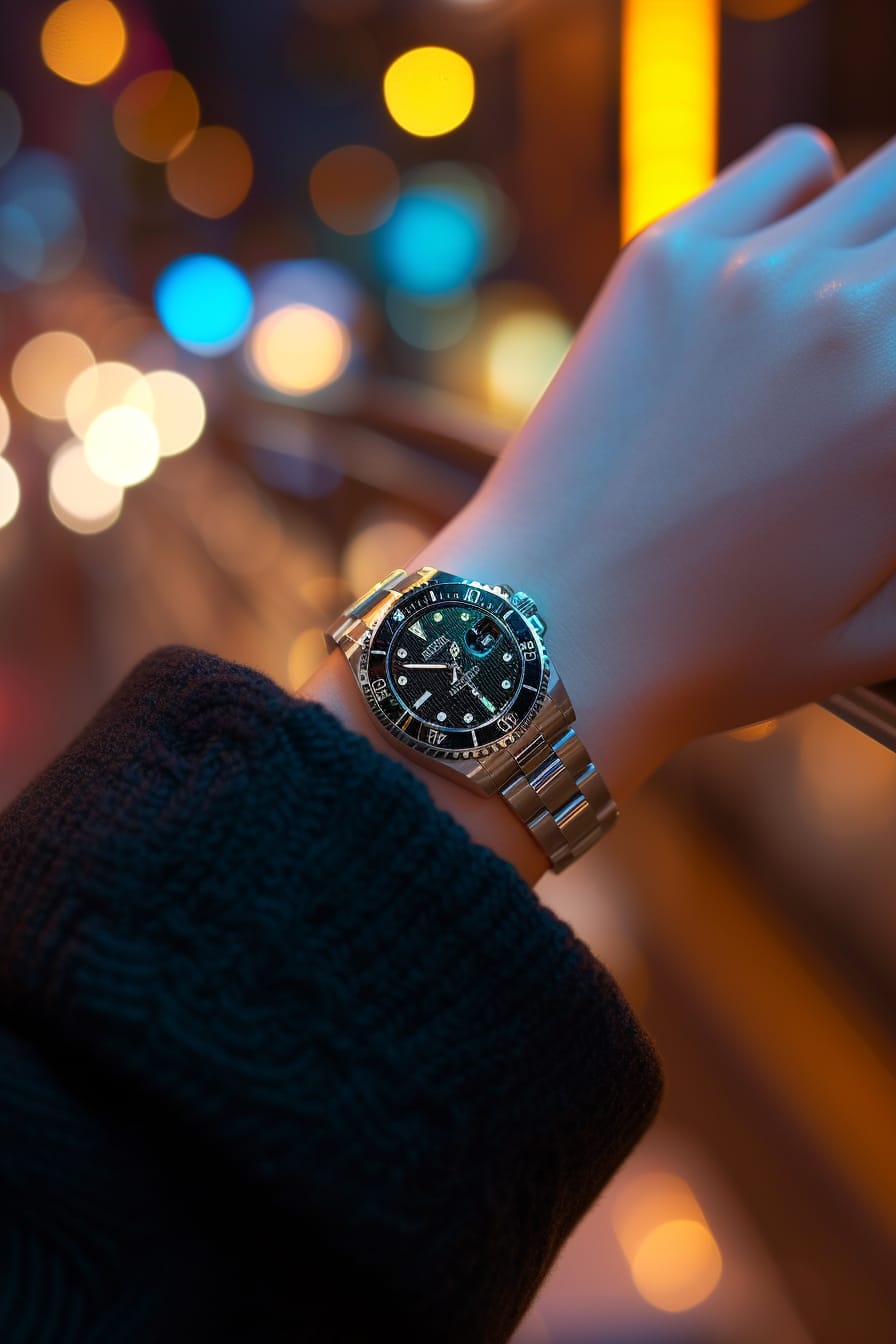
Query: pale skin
(703,501)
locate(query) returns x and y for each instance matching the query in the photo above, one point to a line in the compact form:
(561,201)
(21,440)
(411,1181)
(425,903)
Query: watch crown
(527,607)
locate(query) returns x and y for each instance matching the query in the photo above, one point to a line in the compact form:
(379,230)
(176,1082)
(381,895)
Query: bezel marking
(397,719)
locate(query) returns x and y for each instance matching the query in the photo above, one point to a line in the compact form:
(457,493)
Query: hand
(703,501)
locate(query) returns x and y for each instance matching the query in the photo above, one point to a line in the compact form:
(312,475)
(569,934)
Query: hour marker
(402,653)
(507,657)
(441,716)
(402,681)
(488,704)
(474,737)
(437,615)
(505,685)
(398,615)
(468,718)
(424,696)
(417,629)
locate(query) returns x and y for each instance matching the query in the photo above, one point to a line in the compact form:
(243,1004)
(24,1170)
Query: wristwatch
(457,673)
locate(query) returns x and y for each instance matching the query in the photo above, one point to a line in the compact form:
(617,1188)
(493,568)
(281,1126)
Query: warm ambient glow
(213,174)
(10,493)
(354,189)
(670,55)
(83,40)
(429,90)
(5,425)
(44,369)
(79,499)
(299,349)
(157,115)
(122,446)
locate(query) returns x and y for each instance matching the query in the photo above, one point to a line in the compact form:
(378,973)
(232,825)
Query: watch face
(455,670)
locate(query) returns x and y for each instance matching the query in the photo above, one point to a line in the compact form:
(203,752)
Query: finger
(789,168)
(862,205)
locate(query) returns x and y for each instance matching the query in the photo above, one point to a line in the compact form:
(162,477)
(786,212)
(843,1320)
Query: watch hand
(425,666)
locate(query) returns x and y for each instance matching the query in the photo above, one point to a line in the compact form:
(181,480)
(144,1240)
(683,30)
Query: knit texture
(284,1054)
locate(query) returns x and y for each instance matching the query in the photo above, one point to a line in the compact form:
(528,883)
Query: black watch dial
(454,668)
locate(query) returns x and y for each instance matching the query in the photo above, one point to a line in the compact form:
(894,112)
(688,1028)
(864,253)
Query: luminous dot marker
(507,657)
(437,615)
(505,685)
(441,716)
(468,718)
(402,681)
(402,653)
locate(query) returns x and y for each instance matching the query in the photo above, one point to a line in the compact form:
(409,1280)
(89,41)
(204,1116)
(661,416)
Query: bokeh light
(669,114)
(83,40)
(434,241)
(5,425)
(673,1257)
(176,405)
(525,349)
(42,234)
(846,782)
(122,446)
(99,388)
(299,349)
(205,303)
(429,90)
(157,115)
(677,1265)
(213,174)
(378,546)
(10,127)
(10,493)
(79,499)
(44,369)
(354,189)
(761,9)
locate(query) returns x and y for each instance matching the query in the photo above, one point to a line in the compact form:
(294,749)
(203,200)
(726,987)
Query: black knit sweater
(284,1054)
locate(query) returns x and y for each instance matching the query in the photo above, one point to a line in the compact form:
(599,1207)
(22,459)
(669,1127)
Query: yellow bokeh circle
(677,1265)
(122,446)
(83,41)
(429,90)
(299,349)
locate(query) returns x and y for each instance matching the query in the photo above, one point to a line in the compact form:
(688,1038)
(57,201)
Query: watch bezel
(460,744)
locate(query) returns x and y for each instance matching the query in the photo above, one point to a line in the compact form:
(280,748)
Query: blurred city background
(277,281)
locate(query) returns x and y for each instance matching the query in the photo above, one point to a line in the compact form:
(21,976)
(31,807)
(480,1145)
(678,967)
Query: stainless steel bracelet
(546,777)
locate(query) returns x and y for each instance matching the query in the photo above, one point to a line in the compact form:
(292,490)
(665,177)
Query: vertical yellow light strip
(670,71)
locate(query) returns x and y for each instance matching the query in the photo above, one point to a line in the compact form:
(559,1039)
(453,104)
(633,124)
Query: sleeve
(284,1053)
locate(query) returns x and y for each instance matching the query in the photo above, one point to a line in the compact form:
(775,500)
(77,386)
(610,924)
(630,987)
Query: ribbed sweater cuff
(326,1000)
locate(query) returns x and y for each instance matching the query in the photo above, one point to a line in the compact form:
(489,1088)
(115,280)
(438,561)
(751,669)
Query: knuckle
(753,279)
(807,142)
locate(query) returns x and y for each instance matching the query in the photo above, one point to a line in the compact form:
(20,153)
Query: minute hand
(415,667)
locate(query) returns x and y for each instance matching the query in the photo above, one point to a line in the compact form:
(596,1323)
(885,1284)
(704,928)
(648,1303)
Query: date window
(483,636)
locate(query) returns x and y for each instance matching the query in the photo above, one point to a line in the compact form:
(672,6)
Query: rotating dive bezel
(452,742)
